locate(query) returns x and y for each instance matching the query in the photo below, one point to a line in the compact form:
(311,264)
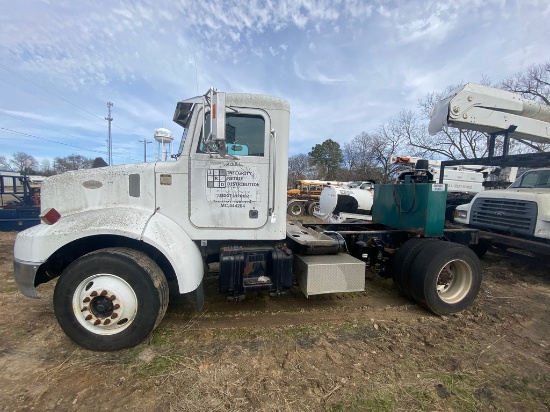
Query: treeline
(367,155)
(22,162)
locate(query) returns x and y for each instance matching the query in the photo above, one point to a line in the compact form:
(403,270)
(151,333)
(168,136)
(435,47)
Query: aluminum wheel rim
(105,304)
(454,281)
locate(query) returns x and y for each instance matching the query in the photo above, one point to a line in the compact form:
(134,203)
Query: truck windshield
(182,116)
(535,178)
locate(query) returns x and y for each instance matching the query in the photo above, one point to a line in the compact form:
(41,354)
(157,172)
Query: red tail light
(50,216)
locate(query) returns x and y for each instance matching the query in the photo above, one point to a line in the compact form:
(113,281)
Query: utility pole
(109,118)
(145,143)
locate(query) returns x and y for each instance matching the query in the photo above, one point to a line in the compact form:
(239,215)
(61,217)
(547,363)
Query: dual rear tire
(443,277)
(297,208)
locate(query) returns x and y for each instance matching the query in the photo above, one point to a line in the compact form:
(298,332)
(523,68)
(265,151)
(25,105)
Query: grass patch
(372,403)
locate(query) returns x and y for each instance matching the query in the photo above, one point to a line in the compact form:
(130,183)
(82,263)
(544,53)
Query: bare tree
(71,162)
(359,159)
(532,84)
(23,162)
(392,139)
(299,168)
(4,163)
(46,168)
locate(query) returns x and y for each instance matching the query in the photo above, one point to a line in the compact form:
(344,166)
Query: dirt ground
(343,352)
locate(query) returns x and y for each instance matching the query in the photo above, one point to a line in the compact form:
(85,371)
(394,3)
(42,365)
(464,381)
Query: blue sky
(345,66)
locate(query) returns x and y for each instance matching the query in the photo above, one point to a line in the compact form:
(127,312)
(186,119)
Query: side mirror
(222,148)
(217,117)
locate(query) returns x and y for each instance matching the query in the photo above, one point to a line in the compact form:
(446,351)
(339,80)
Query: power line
(55,141)
(49,101)
(50,140)
(46,128)
(49,91)
(56,95)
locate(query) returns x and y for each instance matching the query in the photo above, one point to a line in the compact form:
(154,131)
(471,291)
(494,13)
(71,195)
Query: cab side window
(244,134)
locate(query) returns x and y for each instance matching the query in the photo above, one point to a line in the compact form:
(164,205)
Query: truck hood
(113,186)
(533,194)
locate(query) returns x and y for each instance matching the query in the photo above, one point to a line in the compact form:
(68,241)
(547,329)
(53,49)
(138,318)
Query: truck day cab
(120,237)
(522,210)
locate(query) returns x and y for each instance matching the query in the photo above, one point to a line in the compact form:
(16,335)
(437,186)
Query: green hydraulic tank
(411,206)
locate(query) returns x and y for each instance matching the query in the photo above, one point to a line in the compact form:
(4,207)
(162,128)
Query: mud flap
(199,297)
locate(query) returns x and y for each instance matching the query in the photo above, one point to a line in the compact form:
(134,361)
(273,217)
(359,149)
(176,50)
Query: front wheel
(111,299)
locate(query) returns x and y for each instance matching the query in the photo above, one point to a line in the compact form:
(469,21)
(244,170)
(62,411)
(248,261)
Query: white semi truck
(118,238)
(518,216)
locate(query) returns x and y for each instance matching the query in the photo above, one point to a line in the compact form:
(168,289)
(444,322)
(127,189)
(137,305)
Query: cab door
(232,191)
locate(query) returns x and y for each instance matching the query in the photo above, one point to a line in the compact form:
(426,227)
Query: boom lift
(120,237)
(493,111)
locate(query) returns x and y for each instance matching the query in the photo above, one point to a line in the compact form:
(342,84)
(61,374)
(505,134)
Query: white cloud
(383,11)
(345,65)
(313,74)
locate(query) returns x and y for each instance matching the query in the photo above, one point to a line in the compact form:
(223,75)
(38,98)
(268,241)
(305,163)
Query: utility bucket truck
(120,237)
(519,216)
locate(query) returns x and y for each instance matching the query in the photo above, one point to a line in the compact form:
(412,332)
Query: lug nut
(114,315)
(89,317)
(97,322)
(103,293)
(113,297)
(107,321)
(86,299)
(94,293)
(116,306)
(84,309)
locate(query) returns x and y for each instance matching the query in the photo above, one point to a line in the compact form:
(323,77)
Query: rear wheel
(111,299)
(295,209)
(402,262)
(311,208)
(445,277)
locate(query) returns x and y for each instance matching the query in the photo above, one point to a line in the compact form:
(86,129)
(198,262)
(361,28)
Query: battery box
(255,268)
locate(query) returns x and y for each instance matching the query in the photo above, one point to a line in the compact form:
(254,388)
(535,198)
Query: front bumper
(24,274)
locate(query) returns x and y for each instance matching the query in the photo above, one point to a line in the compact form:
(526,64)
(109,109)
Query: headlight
(461,214)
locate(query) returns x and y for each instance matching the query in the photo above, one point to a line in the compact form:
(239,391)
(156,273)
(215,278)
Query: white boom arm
(489,110)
